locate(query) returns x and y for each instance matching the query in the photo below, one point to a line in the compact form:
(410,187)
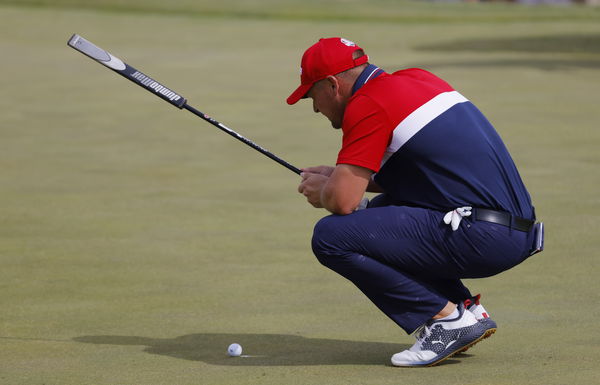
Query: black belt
(503,218)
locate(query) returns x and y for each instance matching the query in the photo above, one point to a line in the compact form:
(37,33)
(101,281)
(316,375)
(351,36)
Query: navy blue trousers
(409,263)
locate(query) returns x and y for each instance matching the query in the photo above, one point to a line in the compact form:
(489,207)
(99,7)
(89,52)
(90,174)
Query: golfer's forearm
(339,205)
(345,188)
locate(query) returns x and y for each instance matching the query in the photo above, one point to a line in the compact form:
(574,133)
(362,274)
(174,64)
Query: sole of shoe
(484,336)
(488,333)
(490,326)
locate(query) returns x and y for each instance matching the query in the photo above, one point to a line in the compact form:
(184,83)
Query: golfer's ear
(333,83)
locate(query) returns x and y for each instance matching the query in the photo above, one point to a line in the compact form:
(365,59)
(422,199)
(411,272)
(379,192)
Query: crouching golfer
(452,203)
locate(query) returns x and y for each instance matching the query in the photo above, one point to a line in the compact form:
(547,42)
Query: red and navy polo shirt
(428,145)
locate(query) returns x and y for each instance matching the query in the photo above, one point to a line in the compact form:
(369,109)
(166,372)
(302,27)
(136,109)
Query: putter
(103,57)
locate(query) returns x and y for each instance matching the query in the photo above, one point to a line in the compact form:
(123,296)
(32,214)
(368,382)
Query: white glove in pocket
(454,217)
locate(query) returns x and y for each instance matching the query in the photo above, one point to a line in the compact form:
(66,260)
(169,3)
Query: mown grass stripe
(379,11)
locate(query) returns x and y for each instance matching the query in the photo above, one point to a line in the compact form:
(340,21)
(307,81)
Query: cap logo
(348,42)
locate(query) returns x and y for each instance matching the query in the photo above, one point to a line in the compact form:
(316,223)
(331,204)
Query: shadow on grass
(581,43)
(542,64)
(577,51)
(260,349)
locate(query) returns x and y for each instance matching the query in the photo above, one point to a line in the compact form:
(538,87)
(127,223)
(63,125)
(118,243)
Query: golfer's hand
(322,170)
(311,187)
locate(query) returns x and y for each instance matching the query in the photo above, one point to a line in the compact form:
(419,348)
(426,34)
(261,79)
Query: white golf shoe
(438,340)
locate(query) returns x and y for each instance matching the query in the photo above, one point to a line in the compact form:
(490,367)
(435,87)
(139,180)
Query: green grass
(386,11)
(137,241)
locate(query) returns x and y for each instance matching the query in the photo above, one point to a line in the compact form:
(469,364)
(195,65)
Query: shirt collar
(371,72)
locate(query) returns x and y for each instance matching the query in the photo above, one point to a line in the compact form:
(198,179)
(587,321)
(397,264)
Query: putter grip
(103,57)
(93,51)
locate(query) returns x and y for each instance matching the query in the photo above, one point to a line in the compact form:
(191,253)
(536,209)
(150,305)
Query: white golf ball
(234,350)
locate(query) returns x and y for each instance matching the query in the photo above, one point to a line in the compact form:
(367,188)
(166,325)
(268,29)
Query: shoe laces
(424,330)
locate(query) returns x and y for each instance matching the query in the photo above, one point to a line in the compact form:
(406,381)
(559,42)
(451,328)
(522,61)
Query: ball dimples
(234,350)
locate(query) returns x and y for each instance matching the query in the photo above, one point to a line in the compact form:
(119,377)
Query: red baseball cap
(326,57)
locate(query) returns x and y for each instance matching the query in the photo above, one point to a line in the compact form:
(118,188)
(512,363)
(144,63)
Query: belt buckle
(538,234)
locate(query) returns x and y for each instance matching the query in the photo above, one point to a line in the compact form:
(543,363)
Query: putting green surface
(137,241)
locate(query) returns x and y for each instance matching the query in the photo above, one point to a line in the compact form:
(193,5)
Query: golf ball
(234,350)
